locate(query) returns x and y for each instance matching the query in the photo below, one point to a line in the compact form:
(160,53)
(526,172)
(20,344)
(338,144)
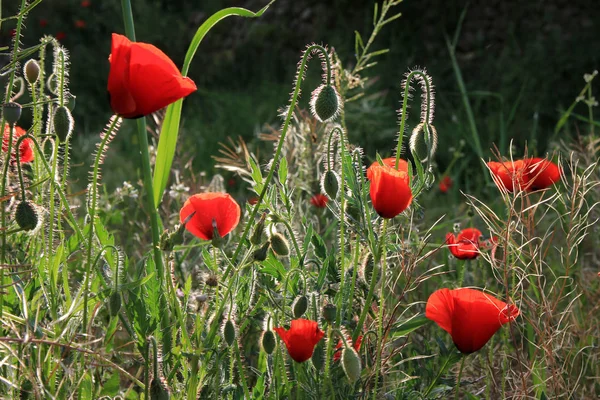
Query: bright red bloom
(80,24)
(142,79)
(26,153)
(390,190)
(60,36)
(541,173)
(301,339)
(319,200)
(211,208)
(338,349)
(465,246)
(509,174)
(390,162)
(445,184)
(530,174)
(470,316)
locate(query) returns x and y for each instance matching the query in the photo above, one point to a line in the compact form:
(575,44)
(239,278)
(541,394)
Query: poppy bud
(260,254)
(330,184)
(300,306)
(114,304)
(351,364)
(325,103)
(318,358)
(12,112)
(158,389)
(31,71)
(259,229)
(280,245)
(329,311)
(72,101)
(229,332)
(268,342)
(26,216)
(63,123)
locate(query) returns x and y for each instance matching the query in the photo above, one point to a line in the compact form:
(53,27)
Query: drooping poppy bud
(31,71)
(319,200)
(390,190)
(279,244)
(541,173)
(259,230)
(114,304)
(338,348)
(464,246)
(300,306)
(63,123)
(301,338)
(12,112)
(351,364)
(229,332)
(330,183)
(268,342)
(261,253)
(208,207)
(26,216)
(325,103)
(26,153)
(329,311)
(142,79)
(470,316)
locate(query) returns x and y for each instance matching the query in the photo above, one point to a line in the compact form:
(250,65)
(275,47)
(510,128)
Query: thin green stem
(3,211)
(380,337)
(460,371)
(437,377)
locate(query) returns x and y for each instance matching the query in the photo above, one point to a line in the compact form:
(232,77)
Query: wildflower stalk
(382,254)
(327,359)
(3,210)
(460,371)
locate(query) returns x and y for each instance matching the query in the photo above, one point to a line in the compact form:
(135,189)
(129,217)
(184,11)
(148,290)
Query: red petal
(121,99)
(390,162)
(301,338)
(542,173)
(220,207)
(390,191)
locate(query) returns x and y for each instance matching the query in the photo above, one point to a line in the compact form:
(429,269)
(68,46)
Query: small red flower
(142,79)
(445,184)
(509,174)
(338,348)
(43,22)
(470,316)
(26,153)
(390,190)
(80,24)
(86,3)
(60,36)
(530,174)
(390,162)
(465,246)
(319,200)
(541,173)
(210,208)
(301,338)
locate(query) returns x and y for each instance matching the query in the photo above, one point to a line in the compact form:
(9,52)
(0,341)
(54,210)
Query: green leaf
(282,172)
(170,128)
(85,389)
(405,327)
(111,386)
(359,46)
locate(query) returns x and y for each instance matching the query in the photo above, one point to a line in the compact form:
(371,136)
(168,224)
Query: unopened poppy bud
(351,364)
(114,304)
(329,311)
(260,254)
(31,70)
(300,306)
(72,101)
(280,245)
(318,358)
(158,389)
(12,112)
(63,123)
(325,103)
(268,342)
(330,184)
(229,332)
(26,216)
(259,229)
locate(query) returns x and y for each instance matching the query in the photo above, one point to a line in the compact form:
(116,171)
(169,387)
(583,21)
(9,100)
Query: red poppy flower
(219,209)
(80,24)
(142,79)
(541,173)
(301,339)
(465,246)
(43,22)
(390,162)
(319,200)
(338,349)
(60,36)
(390,190)
(509,174)
(470,316)
(26,153)
(445,184)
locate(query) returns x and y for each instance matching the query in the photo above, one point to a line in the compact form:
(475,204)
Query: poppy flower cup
(26,153)
(390,190)
(541,173)
(142,79)
(509,175)
(390,162)
(301,338)
(465,245)
(211,211)
(470,316)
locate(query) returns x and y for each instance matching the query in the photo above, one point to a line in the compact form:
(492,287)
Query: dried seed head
(280,245)
(351,364)
(12,112)
(268,342)
(26,216)
(211,280)
(63,123)
(300,306)
(325,103)
(330,184)
(31,71)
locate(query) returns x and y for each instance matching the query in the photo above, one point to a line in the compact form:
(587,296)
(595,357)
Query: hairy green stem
(380,338)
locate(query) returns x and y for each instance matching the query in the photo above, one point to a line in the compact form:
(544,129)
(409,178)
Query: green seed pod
(318,357)
(158,390)
(351,364)
(260,254)
(330,184)
(114,304)
(63,123)
(300,306)
(31,71)
(329,311)
(259,229)
(325,103)
(12,112)
(26,216)
(280,245)
(268,342)
(229,332)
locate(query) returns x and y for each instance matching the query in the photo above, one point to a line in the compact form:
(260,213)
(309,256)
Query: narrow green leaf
(283,171)
(359,46)
(408,326)
(85,389)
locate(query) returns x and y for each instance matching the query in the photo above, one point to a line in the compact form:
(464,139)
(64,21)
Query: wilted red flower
(26,153)
(60,36)
(210,209)
(465,246)
(470,316)
(80,24)
(390,190)
(390,162)
(142,79)
(541,173)
(338,348)
(43,22)
(301,339)
(509,174)
(445,184)
(319,200)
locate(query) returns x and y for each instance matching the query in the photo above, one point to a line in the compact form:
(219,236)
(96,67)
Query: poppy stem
(460,371)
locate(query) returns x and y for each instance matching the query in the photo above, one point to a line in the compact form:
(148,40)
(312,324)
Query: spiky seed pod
(330,184)
(63,123)
(431,136)
(158,390)
(11,112)
(329,311)
(280,245)
(300,306)
(325,103)
(318,357)
(259,230)
(114,304)
(229,332)
(260,254)
(26,216)
(31,71)
(268,342)
(351,364)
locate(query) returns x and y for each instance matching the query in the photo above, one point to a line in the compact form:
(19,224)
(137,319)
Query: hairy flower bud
(300,306)
(114,304)
(31,71)
(268,342)
(280,245)
(318,357)
(12,112)
(26,216)
(229,332)
(329,311)
(259,229)
(63,123)
(325,103)
(260,254)
(330,184)
(351,364)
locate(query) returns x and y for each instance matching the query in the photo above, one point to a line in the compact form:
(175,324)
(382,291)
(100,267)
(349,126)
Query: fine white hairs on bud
(430,139)
(325,103)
